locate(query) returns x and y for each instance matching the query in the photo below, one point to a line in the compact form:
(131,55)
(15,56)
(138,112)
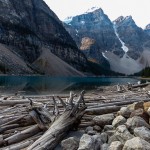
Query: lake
(52,85)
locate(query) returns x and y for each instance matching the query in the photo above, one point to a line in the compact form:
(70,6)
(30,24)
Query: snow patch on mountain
(125,65)
(104,55)
(125,48)
(92,9)
(68,19)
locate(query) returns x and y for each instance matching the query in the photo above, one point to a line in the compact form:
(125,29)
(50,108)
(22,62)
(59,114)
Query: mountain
(94,34)
(33,40)
(147,29)
(120,45)
(135,38)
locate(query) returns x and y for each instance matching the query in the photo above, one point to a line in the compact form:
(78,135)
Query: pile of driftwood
(41,122)
(37,124)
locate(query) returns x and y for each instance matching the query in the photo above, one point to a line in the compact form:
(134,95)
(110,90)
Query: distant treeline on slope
(144,73)
(99,70)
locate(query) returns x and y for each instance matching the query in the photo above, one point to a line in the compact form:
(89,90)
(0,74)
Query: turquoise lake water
(53,85)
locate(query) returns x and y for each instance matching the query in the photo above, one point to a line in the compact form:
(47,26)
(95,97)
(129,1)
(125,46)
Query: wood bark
(60,126)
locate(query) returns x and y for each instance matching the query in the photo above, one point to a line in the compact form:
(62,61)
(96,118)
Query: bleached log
(119,103)
(59,127)
(102,110)
(13,102)
(22,135)
(140,85)
(8,127)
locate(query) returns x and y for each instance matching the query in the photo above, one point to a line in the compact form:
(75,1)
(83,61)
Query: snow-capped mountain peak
(68,19)
(118,20)
(147,27)
(92,9)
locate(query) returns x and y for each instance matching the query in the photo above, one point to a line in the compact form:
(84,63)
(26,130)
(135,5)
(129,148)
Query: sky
(138,9)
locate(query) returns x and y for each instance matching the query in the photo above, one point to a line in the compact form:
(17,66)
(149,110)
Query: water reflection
(52,85)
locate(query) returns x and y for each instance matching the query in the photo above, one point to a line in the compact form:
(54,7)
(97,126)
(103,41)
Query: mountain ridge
(29,25)
(94,31)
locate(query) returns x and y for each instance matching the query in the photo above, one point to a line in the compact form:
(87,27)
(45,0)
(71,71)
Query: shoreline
(102,101)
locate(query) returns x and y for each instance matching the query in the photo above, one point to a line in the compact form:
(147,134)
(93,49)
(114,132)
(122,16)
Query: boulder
(70,143)
(136,144)
(97,128)
(110,132)
(91,132)
(97,141)
(140,112)
(146,106)
(122,134)
(104,147)
(104,137)
(135,122)
(113,138)
(88,129)
(143,133)
(117,145)
(136,105)
(119,120)
(103,120)
(148,111)
(108,127)
(87,142)
(125,112)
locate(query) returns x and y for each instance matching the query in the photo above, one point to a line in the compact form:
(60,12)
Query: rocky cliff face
(94,34)
(28,25)
(120,44)
(147,29)
(133,36)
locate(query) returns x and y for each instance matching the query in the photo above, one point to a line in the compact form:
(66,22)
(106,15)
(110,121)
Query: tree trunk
(60,126)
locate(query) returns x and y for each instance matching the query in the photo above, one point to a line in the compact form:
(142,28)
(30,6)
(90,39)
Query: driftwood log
(41,121)
(23,121)
(62,124)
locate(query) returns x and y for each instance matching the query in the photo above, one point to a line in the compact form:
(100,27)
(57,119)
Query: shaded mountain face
(133,36)
(93,32)
(119,45)
(26,26)
(147,29)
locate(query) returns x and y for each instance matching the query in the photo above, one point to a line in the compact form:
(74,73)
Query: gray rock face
(104,42)
(133,36)
(148,111)
(143,133)
(136,144)
(104,147)
(98,141)
(112,138)
(104,137)
(119,120)
(70,144)
(123,134)
(125,112)
(94,34)
(88,129)
(147,29)
(108,127)
(28,25)
(103,120)
(88,142)
(117,145)
(135,122)
(97,128)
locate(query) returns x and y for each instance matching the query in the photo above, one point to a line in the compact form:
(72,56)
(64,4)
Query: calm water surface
(53,85)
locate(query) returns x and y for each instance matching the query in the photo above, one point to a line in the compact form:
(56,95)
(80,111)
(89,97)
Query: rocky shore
(109,118)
